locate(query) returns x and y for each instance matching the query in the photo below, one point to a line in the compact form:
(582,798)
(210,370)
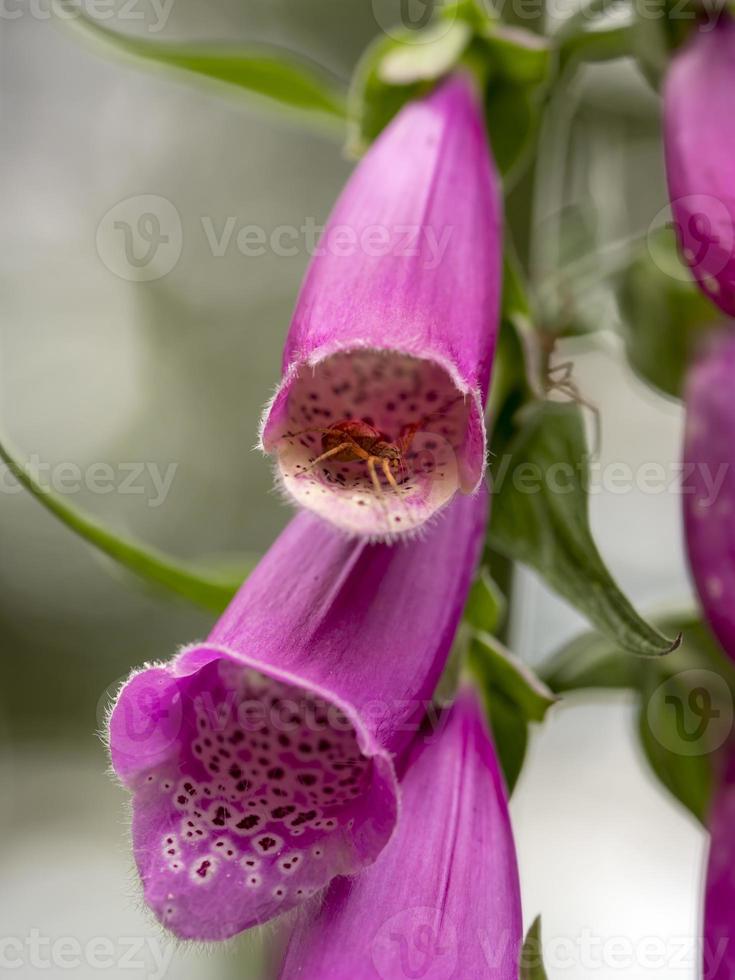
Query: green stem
(197,586)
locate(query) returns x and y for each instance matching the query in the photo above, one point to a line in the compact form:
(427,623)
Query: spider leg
(371,460)
(389,476)
(408,432)
(330,452)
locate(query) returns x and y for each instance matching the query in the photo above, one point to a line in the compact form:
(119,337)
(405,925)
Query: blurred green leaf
(196,585)
(590,661)
(485,608)
(685,706)
(517,55)
(373,102)
(686,713)
(598,45)
(512,120)
(426,56)
(650,47)
(273,73)
(688,777)
(532,962)
(664,315)
(539,517)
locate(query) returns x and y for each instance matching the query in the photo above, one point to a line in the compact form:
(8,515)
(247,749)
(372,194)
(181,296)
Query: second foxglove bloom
(379,418)
(709,493)
(709,516)
(261,760)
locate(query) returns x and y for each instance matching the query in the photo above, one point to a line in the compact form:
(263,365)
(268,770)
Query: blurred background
(167,377)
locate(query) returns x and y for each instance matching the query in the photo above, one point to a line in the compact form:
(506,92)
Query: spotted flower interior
(268,797)
(414,407)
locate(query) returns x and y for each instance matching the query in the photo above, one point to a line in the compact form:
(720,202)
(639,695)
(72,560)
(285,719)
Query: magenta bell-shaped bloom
(718,950)
(709,484)
(443,899)
(699,131)
(261,760)
(379,417)
(709,515)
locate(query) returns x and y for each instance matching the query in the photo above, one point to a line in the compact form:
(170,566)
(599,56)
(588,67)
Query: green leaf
(518,55)
(512,119)
(211,591)
(651,47)
(532,962)
(513,697)
(539,517)
(273,73)
(510,734)
(499,670)
(664,315)
(486,606)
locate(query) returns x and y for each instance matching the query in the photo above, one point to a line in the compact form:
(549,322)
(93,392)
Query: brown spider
(354,439)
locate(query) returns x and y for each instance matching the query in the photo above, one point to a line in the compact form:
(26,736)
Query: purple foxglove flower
(443,899)
(709,484)
(261,760)
(700,157)
(379,417)
(718,951)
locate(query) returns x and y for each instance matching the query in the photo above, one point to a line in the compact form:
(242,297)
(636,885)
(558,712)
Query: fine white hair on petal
(409,413)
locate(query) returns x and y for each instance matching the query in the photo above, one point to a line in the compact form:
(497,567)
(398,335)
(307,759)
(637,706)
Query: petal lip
(224,908)
(317,626)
